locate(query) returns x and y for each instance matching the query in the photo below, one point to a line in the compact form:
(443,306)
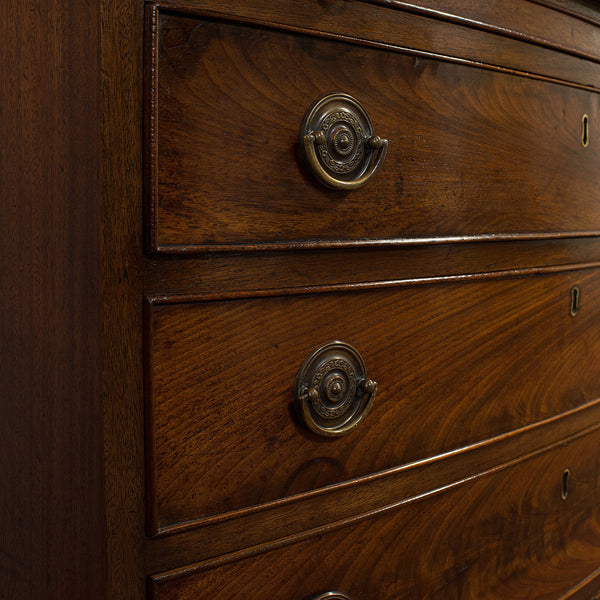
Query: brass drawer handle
(331,596)
(332,393)
(339,143)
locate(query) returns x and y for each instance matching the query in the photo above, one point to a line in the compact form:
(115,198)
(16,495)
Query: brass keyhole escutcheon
(585,131)
(565,484)
(575,300)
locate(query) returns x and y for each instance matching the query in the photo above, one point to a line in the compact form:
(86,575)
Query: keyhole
(575,299)
(565,484)
(585,134)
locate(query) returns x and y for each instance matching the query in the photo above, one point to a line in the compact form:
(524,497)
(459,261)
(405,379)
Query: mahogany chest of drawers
(301,300)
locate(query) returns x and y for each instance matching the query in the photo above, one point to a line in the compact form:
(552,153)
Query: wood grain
(325,509)
(176,278)
(466,361)
(230,104)
(587,589)
(51,495)
(406,32)
(522,20)
(485,106)
(122,340)
(586,10)
(506,534)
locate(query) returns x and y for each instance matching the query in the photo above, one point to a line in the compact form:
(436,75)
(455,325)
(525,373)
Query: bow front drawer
(232,425)
(470,151)
(495,536)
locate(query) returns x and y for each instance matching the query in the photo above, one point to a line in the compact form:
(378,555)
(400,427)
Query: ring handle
(333,394)
(332,596)
(339,143)
(312,139)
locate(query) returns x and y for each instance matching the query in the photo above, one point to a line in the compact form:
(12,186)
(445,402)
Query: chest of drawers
(302,301)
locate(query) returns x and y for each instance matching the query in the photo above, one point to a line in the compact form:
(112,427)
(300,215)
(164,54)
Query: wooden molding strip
(342,287)
(367,243)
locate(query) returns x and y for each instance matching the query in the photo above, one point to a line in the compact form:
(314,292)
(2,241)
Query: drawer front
(455,363)
(472,152)
(518,532)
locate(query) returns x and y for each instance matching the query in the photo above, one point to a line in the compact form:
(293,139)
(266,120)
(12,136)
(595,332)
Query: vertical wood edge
(122,190)
(152,524)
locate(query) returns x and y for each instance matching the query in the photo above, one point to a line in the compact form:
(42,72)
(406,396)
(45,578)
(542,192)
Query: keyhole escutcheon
(585,131)
(575,299)
(565,484)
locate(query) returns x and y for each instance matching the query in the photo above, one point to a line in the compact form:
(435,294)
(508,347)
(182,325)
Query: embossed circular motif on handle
(343,141)
(344,149)
(336,382)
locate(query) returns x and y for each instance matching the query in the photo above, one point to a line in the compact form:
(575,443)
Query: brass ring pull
(333,393)
(339,144)
(331,596)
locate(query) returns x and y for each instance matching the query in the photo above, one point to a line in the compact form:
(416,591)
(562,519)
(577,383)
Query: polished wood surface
(454,359)
(486,135)
(318,509)
(51,495)
(451,273)
(497,536)
(523,20)
(168,263)
(585,10)
(122,333)
(175,278)
(402,31)
(587,589)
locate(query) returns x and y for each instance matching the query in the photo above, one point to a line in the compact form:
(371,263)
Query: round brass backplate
(332,392)
(339,144)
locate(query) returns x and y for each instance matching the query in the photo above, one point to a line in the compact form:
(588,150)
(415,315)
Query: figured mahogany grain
(413,33)
(318,509)
(466,361)
(72,495)
(472,152)
(506,534)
